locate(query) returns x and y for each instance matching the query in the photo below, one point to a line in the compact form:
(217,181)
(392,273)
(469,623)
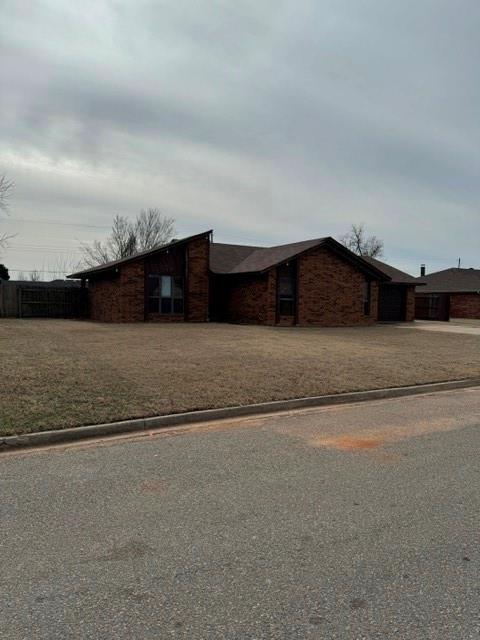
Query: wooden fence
(40,300)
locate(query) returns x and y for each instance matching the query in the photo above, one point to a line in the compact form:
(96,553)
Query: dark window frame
(367,297)
(287,303)
(166,305)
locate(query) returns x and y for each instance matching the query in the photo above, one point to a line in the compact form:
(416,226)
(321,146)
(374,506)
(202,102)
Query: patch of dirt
(152,486)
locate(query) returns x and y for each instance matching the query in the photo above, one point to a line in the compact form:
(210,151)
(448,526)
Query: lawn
(61,373)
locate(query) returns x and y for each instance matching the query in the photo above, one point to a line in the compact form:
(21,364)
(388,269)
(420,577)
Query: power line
(39,270)
(57,222)
(44,249)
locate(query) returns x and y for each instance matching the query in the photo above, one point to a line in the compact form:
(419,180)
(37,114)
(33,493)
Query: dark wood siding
(391,303)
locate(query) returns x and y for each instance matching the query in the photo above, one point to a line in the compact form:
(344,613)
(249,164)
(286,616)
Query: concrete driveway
(353,522)
(471,327)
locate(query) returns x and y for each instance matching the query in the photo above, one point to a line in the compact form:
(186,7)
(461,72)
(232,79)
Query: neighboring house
(451,293)
(315,282)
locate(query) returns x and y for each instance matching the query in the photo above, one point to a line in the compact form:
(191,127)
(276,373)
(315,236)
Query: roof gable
(110,266)
(260,259)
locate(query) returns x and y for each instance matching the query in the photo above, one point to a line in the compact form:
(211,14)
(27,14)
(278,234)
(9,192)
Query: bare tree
(357,241)
(6,188)
(150,229)
(35,276)
(62,266)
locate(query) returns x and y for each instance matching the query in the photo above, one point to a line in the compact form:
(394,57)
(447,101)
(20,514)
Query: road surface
(355,522)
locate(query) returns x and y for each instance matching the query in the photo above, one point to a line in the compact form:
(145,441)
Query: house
(451,293)
(314,282)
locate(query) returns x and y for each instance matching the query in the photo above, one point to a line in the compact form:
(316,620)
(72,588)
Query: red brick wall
(465,305)
(198,259)
(119,298)
(132,282)
(104,300)
(330,291)
(250,299)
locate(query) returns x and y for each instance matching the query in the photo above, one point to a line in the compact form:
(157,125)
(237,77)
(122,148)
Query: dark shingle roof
(397,276)
(242,259)
(108,266)
(225,257)
(452,281)
(237,259)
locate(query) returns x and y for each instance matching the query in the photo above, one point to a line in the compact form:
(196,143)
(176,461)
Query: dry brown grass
(61,373)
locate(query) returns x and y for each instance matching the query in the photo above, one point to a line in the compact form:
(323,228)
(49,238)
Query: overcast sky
(267,121)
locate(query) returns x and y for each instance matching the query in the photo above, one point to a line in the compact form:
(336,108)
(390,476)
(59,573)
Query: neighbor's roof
(237,259)
(108,266)
(452,281)
(397,276)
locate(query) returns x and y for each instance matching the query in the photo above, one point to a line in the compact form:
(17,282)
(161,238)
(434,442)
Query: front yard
(61,373)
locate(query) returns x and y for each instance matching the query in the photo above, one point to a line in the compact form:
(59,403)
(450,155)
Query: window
(286,289)
(367,290)
(165,294)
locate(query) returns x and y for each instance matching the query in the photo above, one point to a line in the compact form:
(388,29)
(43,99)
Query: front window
(367,289)
(165,294)
(286,289)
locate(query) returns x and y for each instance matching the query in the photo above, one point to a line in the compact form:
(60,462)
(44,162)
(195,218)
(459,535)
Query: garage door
(391,303)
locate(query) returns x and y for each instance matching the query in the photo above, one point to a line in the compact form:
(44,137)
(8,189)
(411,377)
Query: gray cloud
(266,121)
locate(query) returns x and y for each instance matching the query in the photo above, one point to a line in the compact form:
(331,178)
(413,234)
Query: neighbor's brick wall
(121,298)
(465,305)
(198,261)
(330,291)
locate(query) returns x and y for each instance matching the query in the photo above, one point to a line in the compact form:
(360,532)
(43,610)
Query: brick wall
(330,291)
(465,305)
(250,299)
(410,304)
(119,298)
(198,253)
(104,300)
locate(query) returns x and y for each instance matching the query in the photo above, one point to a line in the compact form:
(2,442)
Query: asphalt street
(354,522)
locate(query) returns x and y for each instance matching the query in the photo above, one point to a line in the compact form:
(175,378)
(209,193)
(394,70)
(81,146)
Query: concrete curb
(43,438)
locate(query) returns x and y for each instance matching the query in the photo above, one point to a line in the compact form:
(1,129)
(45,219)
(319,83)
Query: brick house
(314,282)
(451,293)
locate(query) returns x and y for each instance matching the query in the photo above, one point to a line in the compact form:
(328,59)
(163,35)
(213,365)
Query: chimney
(422,270)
